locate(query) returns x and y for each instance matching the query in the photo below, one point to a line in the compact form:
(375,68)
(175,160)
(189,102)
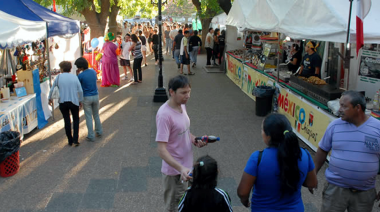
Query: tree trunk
(97,21)
(112,24)
(205,26)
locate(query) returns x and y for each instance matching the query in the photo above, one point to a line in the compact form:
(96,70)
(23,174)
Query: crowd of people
(274,176)
(139,40)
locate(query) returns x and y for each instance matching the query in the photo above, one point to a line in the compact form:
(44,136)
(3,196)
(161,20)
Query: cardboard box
(27,78)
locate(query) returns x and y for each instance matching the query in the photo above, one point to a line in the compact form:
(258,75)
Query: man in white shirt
(125,57)
(172,35)
(125,29)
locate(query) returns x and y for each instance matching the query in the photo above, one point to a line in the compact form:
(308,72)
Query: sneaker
(146,64)
(98,135)
(131,80)
(125,78)
(90,139)
(193,65)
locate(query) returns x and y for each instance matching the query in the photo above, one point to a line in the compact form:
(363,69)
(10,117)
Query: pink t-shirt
(173,127)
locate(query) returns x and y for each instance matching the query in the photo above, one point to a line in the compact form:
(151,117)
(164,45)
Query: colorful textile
(110,67)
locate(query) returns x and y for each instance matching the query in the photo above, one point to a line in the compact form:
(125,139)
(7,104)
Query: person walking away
(209,45)
(353,141)
(87,79)
(195,42)
(277,173)
(136,48)
(221,42)
(125,57)
(172,35)
(203,195)
(215,50)
(167,39)
(177,47)
(155,41)
(70,98)
(110,67)
(175,141)
(191,31)
(143,48)
(185,58)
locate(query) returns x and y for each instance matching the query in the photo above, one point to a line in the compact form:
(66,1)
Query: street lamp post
(160,92)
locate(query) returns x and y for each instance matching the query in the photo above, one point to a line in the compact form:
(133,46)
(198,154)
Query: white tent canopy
(323,20)
(16,31)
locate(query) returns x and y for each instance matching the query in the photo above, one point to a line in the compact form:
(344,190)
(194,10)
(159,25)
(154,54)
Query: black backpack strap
(260,155)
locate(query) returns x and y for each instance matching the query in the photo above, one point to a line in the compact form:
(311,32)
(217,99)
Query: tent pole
(48,68)
(348,48)
(278,58)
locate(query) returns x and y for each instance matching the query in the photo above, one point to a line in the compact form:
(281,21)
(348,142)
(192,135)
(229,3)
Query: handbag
(55,93)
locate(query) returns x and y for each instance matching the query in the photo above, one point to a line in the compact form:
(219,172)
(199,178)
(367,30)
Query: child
(203,195)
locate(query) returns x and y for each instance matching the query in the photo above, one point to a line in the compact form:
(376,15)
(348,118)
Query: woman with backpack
(277,173)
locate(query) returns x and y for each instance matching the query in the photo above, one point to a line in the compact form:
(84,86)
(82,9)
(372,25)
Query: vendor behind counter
(311,63)
(296,59)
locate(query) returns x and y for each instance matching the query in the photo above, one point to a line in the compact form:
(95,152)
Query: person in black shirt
(203,195)
(143,47)
(295,61)
(155,41)
(215,50)
(311,64)
(221,42)
(177,47)
(194,43)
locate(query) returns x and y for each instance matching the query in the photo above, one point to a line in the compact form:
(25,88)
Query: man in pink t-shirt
(175,141)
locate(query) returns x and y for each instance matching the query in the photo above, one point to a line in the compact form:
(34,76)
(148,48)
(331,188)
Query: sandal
(191,73)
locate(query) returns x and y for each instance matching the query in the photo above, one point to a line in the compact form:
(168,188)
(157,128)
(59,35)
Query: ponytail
(205,173)
(288,154)
(282,137)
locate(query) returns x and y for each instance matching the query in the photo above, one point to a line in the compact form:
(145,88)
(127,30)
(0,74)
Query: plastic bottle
(376,101)
(208,139)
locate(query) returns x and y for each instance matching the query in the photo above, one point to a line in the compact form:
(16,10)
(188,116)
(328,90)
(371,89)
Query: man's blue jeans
(176,56)
(91,110)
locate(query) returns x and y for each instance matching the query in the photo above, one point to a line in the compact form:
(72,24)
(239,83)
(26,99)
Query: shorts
(143,48)
(184,60)
(124,62)
(173,191)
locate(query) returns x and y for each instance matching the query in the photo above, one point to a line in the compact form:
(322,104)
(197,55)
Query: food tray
(321,93)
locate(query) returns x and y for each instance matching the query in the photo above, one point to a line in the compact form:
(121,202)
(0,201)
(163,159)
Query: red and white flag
(54,8)
(362,10)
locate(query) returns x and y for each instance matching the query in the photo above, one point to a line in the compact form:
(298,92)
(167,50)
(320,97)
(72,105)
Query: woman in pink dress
(110,67)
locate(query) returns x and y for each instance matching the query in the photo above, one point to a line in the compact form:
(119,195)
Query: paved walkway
(121,170)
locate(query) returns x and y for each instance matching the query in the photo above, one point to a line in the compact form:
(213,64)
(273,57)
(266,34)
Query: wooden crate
(27,78)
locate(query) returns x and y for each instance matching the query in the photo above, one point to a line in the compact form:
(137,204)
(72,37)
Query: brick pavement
(121,170)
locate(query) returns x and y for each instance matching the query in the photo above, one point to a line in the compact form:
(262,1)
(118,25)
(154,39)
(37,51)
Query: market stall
(19,112)
(305,103)
(63,33)
(32,62)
